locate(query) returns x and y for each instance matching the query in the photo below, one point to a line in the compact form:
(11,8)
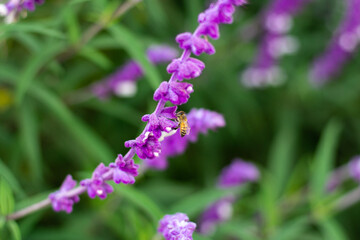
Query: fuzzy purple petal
(238,173)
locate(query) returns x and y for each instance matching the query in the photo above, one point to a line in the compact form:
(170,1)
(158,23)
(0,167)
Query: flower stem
(30,209)
(348,200)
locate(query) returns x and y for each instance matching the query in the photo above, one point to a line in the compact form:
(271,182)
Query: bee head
(180,113)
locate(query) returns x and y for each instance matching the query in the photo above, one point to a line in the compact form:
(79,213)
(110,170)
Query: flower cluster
(277,22)
(161,121)
(59,201)
(200,121)
(123,81)
(343,44)
(176,227)
(12,9)
(237,173)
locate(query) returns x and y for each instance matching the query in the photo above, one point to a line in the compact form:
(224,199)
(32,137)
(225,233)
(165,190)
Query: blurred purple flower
(123,81)
(238,173)
(12,9)
(343,44)
(218,212)
(276,42)
(124,172)
(162,122)
(97,186)
(238,2)
(176,227)
(146,146)
(58,199)
(186,69)
(354,168)
(200,121)
(176,92)
(161,53)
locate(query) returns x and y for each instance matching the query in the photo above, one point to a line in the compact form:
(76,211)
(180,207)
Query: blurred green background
(293,132)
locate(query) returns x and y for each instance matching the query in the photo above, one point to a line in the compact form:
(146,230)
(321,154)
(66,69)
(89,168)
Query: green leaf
(93,144)
(268,204)
(6,198)
(114,108)
(32,67)
(72,24)
(28,41)
(8,30)
(30,140)
(96,57)
(197,236)
(324,157)
(89,140)
(282,151)
(238,228)
(157,17)
(332,230)
(14,230)
(141,200)
(197,202)
(292,229)
(6,174)
(7,73)
(137,51)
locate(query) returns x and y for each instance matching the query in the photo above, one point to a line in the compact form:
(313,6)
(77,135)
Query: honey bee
(183,124)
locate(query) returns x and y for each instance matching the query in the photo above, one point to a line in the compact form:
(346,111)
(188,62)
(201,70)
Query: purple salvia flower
(196,44)
(146,146)
(343,44)
(58,199)
(238,173)
(176,92)
(176,227)
(124,172)
(354,168)
(218,13)
(162,122)
(186,69)
(209,29)
(201,120)
(123,81)
(97,186)
(171,146)
(218,212)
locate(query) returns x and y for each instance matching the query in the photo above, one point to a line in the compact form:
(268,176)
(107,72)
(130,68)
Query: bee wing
(188,131)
